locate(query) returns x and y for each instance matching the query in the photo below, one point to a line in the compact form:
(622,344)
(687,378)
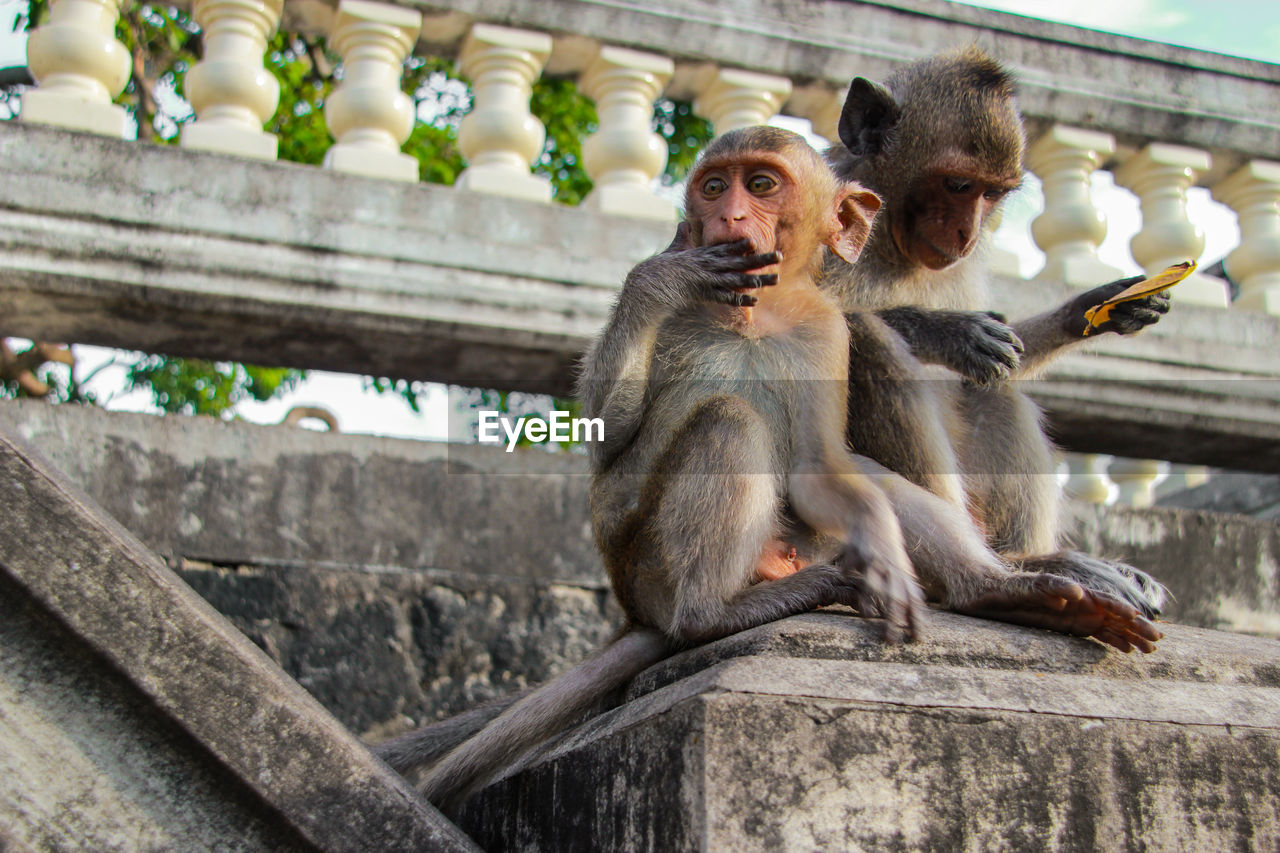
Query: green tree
(165,43)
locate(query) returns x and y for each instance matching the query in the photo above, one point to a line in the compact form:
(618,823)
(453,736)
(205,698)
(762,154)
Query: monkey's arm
(615,372)
(1045,335)
(979,345)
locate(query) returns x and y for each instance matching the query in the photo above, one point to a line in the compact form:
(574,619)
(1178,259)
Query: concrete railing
(513,301)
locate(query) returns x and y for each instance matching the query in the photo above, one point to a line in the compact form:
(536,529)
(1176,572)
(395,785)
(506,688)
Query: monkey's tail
(540,715)
(422,746)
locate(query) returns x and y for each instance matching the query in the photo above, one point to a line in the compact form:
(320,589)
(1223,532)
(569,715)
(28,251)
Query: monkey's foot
(1046,601)
(887,592)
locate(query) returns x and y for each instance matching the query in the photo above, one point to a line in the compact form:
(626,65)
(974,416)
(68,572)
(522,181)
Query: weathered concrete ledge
(401,581)
(810,733)
(117,682)
(287,500)
(157,248)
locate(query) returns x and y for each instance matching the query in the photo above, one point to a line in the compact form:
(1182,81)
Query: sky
(1247,28)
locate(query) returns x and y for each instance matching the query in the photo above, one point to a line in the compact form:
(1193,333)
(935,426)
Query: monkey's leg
(898,415)
(709,513)
(1009,470)
(834,498)
(960,570)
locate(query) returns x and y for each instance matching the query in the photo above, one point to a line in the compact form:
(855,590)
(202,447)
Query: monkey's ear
(855,210)
(869,113)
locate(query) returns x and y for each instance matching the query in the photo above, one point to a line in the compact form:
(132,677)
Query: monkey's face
(940,219)
(736,198)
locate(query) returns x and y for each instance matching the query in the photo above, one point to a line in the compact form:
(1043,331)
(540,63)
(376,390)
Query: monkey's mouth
(914,246)
(932,256)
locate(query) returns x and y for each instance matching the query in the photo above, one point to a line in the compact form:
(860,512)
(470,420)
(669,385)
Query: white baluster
(1160,175)
(1136,479)
(821,107)
(80,68)
(367,114)
(731,98)
(1253,192)
(500,137)
(230,91)
(624,155)
(1182,477)
(1071,227)
(1086,477)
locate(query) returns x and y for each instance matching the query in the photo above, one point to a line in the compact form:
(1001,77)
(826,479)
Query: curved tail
(536,717)
(422,746)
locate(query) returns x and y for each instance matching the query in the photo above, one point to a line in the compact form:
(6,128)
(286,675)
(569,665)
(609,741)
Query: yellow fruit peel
(1167,278)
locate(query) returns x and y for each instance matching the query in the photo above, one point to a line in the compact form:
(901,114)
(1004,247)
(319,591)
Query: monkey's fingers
(737,300)
(728,288)
(1130,317)
(987,351)
(755,262)
(899,601)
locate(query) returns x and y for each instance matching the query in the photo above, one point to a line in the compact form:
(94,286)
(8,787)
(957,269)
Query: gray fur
(936,430)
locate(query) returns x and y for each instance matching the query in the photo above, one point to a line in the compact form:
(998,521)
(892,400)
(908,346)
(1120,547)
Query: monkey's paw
(1125,318)
(982,347)
(1046,601)
(884,590)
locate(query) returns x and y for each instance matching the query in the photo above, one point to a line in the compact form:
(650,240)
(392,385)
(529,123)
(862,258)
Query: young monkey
(721,380)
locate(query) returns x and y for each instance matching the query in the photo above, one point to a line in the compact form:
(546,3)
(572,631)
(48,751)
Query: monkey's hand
(1125,318)
(719,273)
(722,272)
(1047,601)
(979,345)
(882,587)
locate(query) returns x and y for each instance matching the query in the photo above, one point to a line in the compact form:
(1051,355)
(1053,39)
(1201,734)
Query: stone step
(133,716)
(812,734)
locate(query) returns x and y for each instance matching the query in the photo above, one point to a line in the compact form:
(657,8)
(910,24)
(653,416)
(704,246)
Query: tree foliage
(165,43)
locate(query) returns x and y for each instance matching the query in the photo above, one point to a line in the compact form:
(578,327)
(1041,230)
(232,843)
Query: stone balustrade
(80,67)
(1162,119)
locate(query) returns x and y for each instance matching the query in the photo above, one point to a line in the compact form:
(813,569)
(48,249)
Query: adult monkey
(724,439)
(942,143)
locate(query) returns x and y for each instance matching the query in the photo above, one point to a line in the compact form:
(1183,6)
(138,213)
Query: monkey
(703,527)
(720,378)
(942,143)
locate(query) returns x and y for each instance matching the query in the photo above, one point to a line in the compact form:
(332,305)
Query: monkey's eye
(957,185)
(995,194)
(760,184)
(713,187)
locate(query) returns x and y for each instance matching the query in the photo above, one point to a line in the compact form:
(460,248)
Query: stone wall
(400,581)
